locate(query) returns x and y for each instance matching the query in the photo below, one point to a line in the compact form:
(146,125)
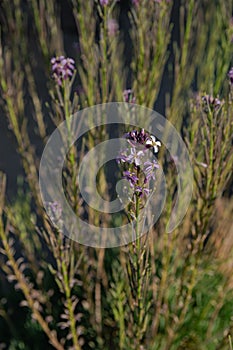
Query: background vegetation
(55,293)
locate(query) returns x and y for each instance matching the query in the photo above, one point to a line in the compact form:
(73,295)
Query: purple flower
(135,157)
(129,96)
(141,191)
(122,158)
(135,2)
(131,177)
(103,2)
(62,68)
(112,27)
(230,75)
(149,170)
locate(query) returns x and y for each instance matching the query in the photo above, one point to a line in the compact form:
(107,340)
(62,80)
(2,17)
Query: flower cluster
(55,212)
(211,103)
(104,2)
(129,96)
(138,170)
(143,138)
(230,75)
(62,68)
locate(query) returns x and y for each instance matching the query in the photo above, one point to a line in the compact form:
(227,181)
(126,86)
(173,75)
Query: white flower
(153,143)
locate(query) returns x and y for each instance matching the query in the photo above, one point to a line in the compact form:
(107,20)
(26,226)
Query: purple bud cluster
(128,96)
(138,170)
(137,137)
(210,103)
(141,137)
(62,68)
(104,2)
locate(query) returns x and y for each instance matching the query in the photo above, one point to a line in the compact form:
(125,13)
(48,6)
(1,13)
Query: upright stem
(66,97)
(67,113)
(211,153)
(70,308)
(138,265)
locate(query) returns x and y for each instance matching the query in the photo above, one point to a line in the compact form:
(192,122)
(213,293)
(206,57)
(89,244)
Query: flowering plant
(138,170)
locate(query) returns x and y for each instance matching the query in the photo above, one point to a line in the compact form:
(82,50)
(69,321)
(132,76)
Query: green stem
(66,109)
(138,262)
(66,97)
(211,154)
(70,307)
